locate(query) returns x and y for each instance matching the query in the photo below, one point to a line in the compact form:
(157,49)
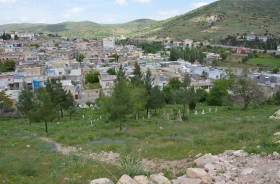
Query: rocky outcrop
(101,181)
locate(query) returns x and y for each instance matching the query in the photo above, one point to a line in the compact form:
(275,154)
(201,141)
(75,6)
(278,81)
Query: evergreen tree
(148,86)
(137,79)
(156,99)
(121,73)
(25,101)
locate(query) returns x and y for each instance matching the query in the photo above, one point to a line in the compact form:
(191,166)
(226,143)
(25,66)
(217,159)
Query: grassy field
(153,139)
(265,61)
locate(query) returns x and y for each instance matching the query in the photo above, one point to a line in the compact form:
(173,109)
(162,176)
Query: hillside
(84,29)
(219,19)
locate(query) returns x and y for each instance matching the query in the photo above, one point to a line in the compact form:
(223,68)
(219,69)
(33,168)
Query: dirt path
(175,167)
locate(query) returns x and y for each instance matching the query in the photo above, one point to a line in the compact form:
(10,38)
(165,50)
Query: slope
(218,19)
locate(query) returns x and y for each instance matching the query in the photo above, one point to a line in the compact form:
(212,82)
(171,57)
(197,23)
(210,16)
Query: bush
(202,94)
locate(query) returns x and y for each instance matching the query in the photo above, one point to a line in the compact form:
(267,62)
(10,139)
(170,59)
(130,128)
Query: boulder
(141,179)
(275,155)
(196,173)
(186,181)
(206,180)
(159,179)
(205,159)
(240,153)
(247,171)
(125,179)
(277,176)
(277,134)
(101,181)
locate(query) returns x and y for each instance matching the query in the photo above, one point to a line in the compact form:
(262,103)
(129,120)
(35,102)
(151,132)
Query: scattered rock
(247,171)
(206,180)
(275,156)
(205,159)
(198,155)
(159,179)
(240,153)
(277,134)
(277,176)
(196,173)
(186,181)
(101,181)
(125,179)
(141,179)
(28,146)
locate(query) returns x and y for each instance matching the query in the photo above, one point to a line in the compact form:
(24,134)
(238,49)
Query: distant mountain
(212,21)
(220,18)
(84,29)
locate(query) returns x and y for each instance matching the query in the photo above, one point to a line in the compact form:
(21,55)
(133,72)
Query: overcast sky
(100,11)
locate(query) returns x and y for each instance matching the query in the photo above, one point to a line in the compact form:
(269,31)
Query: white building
(107,82)
(108,42)
(25,36)
(188,42)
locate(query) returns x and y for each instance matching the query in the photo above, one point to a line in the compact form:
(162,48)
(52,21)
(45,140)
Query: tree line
(45,104)
(188,54)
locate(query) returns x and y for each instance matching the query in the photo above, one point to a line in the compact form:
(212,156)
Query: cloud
(168,13)
(76,10)
(68,14)
(142,1)
(121,2)
(199,4)
(8,1)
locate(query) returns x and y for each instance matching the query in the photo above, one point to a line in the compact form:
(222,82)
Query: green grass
(210,133)
(264,61)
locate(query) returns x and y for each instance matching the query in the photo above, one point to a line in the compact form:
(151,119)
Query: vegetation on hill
(219,19)
(83,29)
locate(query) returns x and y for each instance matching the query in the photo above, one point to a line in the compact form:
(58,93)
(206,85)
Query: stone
(203,112)
(196,173)
(209,167)
(240,153)
(206,180)
(141,179)
(101,181)
(209,110)
(125,179)
(205,159)
(186,181)
(247,171)
(275,155)
(195,112)
(198,155)
(28,146)
(277,134)
(149,115)
(277,176)
(159,179)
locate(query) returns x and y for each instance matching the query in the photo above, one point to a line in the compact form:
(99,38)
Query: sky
(99,11)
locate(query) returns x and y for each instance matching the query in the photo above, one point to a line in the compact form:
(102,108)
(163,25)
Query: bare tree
(248,90)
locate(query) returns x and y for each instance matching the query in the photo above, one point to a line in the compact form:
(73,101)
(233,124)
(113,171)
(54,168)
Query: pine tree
(25,103)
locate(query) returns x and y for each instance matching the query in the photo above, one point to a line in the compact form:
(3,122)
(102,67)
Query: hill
(84,29)
(220,18)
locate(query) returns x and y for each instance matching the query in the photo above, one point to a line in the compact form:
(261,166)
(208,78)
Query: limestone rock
(186,181)
(141,179)
(277,134)
(240,153)
(275,156)
(277,176)
(247,171)
(206,180)
(125,179)
(196,173)
(205,159)
(159,179)
(101,181)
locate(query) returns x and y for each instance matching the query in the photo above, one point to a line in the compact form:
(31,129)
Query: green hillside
(219,19)
(84,29)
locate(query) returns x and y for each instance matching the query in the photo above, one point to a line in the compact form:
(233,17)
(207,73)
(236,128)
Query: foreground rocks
(231,167)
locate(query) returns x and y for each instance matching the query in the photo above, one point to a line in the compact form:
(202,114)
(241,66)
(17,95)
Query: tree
(71,111)
(119,104)
(137,78)
(5,101)
(148,86)
(174,83)
(138,99)
(111,71)
(216,95)
(80,57)
(60,97)
(248,90)
(92,76)
(156,99)
(202,94)
(7,66)
(224,56)
(168,94)
(45,108)
(116,57)
(25,101)
(121,73)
